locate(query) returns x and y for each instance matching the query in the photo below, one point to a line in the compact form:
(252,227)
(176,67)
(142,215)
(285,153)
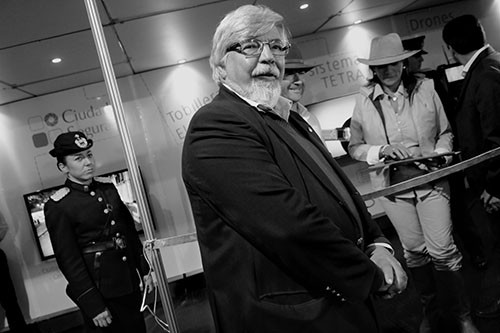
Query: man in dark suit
(95,242)
(478,116)
(286,241)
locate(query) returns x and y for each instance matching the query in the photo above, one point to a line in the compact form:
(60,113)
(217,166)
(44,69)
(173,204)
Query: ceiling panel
(303,22)
(365,11)
(76,80)
(126,9)
(31,62)
(32,20)
(420,4)
(164,39)
(7,94)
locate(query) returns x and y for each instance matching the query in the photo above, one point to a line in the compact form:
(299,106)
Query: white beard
(260,91)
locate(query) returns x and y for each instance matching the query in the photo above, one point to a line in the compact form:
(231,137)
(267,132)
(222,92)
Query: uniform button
(359,241)
(98,254)
(124,258)
(343,299)
(99,199)
(113,222)
(310,129)
(85,188)
(328,288)
(117,234)
(92,193)
(106,211)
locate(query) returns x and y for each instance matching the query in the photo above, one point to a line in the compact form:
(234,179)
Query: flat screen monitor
(35,202)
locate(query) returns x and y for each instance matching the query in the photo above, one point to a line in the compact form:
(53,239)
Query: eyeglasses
(254,47)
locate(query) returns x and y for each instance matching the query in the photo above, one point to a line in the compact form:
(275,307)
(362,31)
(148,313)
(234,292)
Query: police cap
(70,143)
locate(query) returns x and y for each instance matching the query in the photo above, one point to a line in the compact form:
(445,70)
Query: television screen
(35,202)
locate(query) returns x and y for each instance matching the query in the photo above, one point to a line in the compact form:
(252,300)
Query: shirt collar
(79,187)
(378,90)
(471,60)
(282,107)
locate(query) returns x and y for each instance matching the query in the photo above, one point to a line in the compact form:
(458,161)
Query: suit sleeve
(228,162)
(81,289)
(487,100)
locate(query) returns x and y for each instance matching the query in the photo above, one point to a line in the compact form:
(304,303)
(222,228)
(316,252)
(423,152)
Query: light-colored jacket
(426,109)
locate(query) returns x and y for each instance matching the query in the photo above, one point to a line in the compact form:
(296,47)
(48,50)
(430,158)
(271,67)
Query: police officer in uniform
(95,242)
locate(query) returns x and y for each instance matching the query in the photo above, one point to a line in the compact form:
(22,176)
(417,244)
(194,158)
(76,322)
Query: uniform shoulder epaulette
(59,194)
(104,180)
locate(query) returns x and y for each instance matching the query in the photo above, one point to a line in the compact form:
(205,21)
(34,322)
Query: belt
(99,247)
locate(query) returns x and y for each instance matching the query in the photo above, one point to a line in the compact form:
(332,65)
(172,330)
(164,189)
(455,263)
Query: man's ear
(221,70)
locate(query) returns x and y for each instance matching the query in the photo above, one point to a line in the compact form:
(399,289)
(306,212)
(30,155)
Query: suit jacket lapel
(321,146)
(299,151)
(467,78)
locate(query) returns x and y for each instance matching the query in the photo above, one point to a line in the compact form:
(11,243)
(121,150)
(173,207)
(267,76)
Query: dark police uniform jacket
(82,222)
(281,251)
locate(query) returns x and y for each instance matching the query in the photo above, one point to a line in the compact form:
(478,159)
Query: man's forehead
(273,33)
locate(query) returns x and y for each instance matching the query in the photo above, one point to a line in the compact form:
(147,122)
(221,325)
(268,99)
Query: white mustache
(262,70)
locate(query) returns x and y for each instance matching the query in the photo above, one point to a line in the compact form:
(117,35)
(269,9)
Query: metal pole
(116,103)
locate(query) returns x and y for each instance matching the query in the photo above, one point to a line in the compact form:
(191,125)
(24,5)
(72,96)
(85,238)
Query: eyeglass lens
(255,47)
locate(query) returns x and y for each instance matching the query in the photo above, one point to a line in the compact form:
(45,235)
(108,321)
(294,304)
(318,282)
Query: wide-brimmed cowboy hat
(386,50)
(294,61)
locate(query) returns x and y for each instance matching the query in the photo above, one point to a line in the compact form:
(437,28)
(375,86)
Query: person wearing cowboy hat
(95,242)
(397,116)
(293,86)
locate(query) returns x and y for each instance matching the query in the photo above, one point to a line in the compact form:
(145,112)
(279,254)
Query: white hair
(245,22)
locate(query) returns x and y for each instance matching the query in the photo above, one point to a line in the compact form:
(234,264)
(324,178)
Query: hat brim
(294,68)
(388,60)
(59,152)
(298,65)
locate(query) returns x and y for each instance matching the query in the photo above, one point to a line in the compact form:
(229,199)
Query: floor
(401,314)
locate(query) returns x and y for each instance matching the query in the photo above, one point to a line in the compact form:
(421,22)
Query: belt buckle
(119,243)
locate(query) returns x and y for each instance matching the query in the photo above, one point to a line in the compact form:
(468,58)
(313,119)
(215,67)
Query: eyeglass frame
(236,47)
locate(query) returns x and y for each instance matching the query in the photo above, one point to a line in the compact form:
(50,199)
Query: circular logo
(80,142)
(51,119)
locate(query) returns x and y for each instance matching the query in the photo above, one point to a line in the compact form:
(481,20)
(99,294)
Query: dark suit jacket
(280,250)
(478,120)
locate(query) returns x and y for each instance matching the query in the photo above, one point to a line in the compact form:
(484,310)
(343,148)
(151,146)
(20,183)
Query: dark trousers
(467,216)
(126,315)
(8,298)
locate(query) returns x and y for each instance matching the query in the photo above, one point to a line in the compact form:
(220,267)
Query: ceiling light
(56,60)
(181,61)
(358,21)
(304,6)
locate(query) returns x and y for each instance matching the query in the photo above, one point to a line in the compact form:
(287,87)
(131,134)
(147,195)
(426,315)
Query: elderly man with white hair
(286,241)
